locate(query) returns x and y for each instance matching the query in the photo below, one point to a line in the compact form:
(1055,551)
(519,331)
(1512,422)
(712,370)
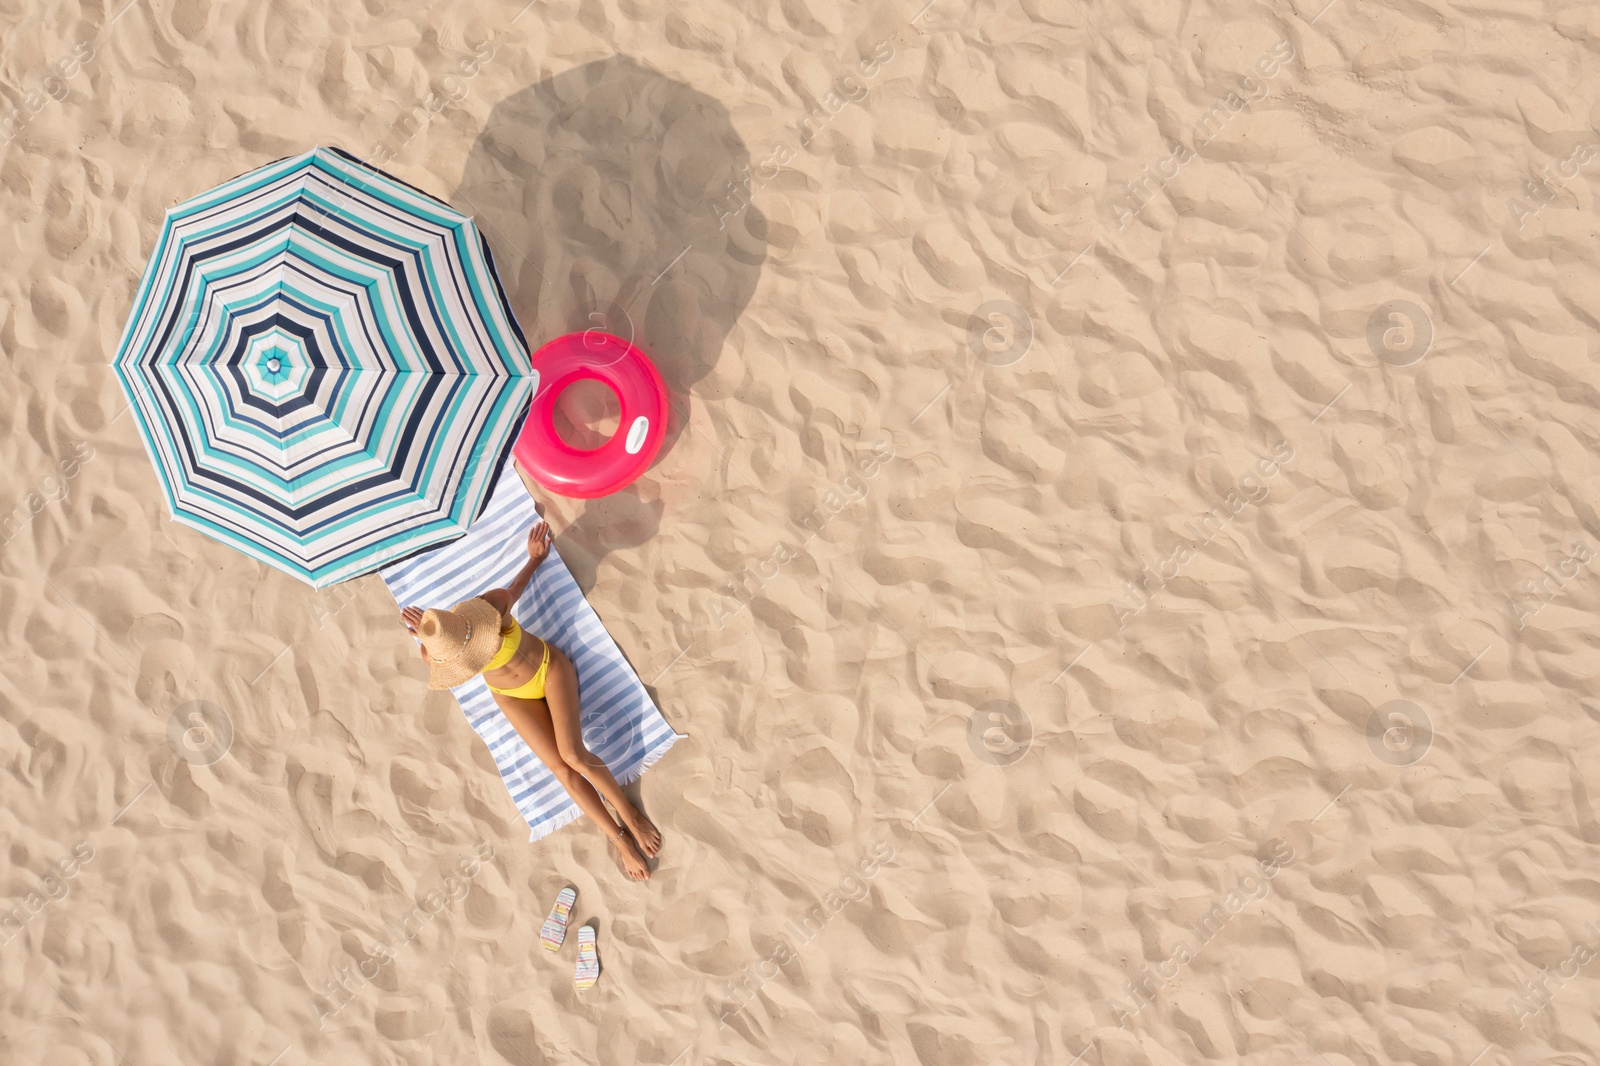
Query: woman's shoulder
(497,599)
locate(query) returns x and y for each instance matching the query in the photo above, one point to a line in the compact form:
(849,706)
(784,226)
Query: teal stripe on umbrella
(323,366)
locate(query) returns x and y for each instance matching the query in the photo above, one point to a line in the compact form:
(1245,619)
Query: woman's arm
(539,538)
(410,617)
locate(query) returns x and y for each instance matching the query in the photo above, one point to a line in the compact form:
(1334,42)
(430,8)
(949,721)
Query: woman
(537,690)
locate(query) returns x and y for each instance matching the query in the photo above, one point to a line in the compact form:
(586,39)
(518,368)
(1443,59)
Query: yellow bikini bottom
(533,688)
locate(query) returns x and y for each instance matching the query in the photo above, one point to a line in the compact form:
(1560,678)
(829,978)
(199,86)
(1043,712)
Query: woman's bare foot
(633,862)
(644,832)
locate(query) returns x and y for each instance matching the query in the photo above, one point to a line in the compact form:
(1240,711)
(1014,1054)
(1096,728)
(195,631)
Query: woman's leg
(532,721)
(561,694)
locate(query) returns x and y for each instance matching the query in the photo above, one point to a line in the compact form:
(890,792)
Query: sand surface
(1124,561)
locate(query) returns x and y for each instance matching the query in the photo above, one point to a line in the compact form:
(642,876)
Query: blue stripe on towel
(620,723)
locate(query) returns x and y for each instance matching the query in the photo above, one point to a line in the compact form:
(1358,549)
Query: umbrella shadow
(607,193)
(622,520)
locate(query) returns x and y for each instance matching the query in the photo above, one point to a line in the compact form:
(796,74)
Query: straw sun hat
(460,642)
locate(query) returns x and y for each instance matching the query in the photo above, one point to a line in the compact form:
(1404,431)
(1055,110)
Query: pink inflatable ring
(587,473)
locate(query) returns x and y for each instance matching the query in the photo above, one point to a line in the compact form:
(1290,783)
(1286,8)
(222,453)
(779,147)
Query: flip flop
(588,969)
(554,930)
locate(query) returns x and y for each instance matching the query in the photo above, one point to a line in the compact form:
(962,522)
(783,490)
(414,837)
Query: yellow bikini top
(510,639)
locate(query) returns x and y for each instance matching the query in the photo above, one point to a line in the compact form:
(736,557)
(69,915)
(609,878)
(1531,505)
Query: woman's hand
(411,617)
(539,538)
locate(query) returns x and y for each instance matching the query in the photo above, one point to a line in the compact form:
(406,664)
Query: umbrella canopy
(324,366)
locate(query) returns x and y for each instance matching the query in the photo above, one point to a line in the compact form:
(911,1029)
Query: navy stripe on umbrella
(324,366)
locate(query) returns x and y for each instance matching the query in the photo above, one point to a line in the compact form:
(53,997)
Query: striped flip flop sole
(588,968)
(554,930)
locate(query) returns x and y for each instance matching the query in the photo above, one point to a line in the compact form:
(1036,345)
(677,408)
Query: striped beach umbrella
(324,366)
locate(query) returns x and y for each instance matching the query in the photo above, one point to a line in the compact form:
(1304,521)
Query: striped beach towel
(620,722)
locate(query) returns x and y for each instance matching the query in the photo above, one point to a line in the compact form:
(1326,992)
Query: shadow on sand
(601,191)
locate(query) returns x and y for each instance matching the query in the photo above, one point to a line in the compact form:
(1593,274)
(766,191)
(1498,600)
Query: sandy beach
(1123,558)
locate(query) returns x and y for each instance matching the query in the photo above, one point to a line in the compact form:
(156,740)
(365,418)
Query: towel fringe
(560,821)
(649,760)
